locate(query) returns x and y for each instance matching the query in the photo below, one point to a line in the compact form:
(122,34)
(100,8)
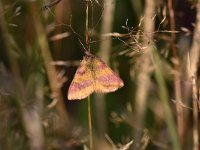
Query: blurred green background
(40,51)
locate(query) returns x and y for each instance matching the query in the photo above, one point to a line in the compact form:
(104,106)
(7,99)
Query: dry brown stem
(51,70)
(143,78)
(32,120)
(194,59)
(177,80)
(104,53)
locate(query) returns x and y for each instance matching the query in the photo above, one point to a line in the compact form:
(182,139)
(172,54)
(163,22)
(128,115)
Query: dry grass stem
(177,80)
(32,119)
(152,44)
(104,53)
(194,59)
(51,71)
(143,78)
(87,49)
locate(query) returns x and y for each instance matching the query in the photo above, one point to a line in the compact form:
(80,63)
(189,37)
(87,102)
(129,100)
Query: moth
(93,75)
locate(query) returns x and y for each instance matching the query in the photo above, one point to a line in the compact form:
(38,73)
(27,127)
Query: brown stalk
(86,25)
(143,78)
(194,58)
(104,53)
(51,70)
(107,22)
(177,80)
(31,119)
(59,13)
(195,114)
(87,48)
(90,124)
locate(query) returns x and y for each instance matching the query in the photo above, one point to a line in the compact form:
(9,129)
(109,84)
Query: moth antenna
(83,47)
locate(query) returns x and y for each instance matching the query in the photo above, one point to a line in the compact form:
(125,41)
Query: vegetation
(152,45)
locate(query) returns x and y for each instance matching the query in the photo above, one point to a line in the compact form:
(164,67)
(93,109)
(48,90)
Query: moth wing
(105,79)
(82,85)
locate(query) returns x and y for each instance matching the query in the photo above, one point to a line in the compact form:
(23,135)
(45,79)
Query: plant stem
(143,78)
(177,80)
(194,58)
(104,53)
(86,25)
(90,124)
(89,105)
(51,70)
(107,27)
(164,99)
(195,114)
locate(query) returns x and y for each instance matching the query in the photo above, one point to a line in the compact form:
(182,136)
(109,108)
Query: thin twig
(114,147)
(181,103)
